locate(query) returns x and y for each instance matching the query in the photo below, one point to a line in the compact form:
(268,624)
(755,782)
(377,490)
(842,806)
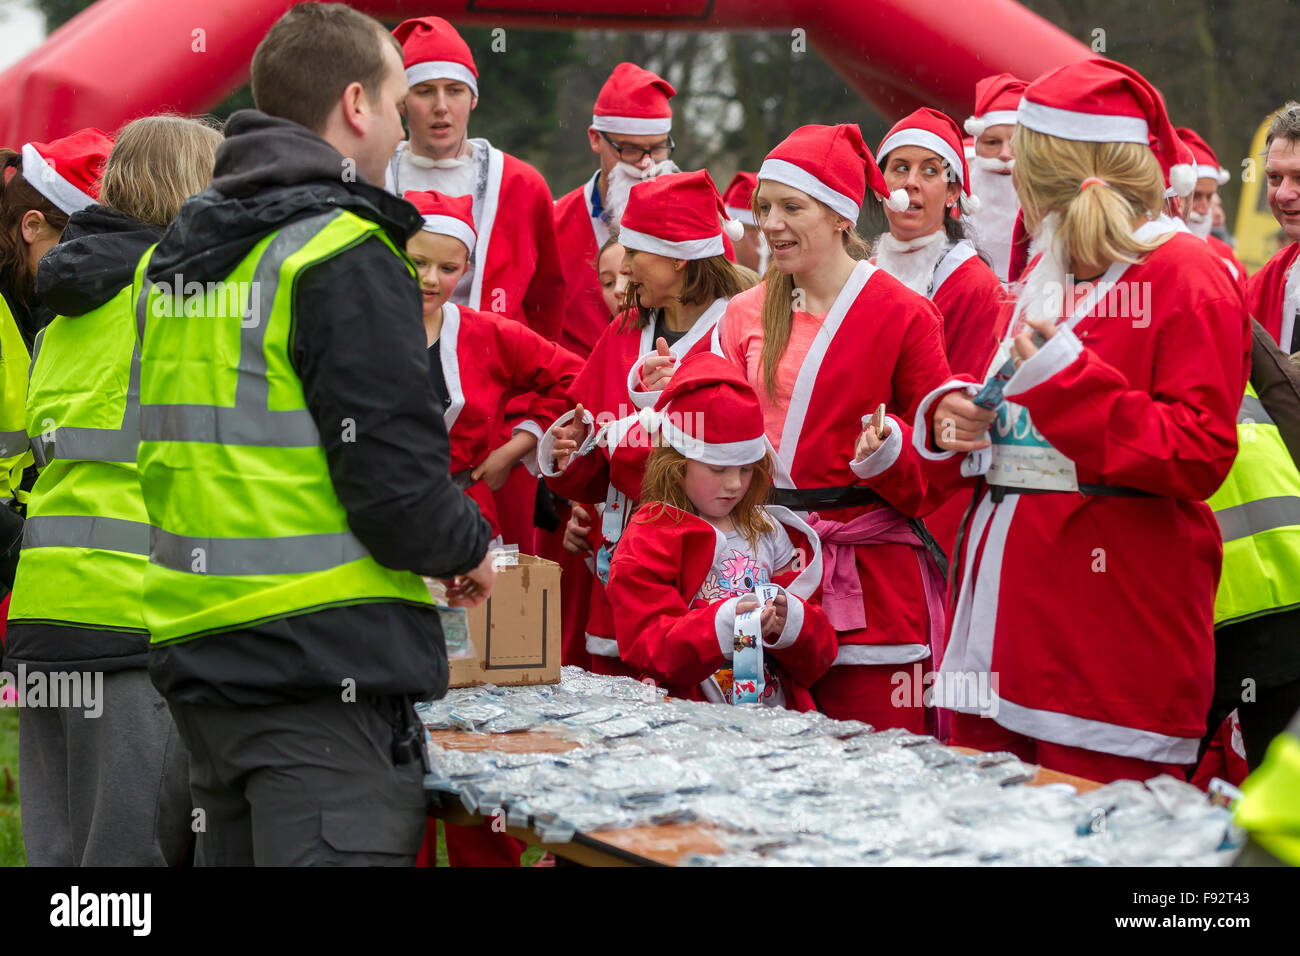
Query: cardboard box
(515,634)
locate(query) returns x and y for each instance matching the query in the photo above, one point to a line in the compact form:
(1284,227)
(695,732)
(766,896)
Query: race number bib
(1020,457)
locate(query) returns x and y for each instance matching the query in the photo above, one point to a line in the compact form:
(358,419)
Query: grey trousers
(109,790)
(303,784)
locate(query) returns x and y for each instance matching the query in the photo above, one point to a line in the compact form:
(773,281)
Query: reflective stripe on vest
(86,531)
(246,524)
(1258,511)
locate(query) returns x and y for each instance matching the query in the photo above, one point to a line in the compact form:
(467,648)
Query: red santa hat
(67,171)
(676,215)
(433,50)
(634,101)
(1100,101)
(833,165)
(937,132)
(968,148)
(996,100)
(445,215)
(1207,164)
(709,413)
(736,198)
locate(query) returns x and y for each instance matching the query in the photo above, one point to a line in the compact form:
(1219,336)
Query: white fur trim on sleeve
(724,625)
(530,461)
(793,623)
(1059,352)
(546,444)
(640,397)
(921,430)
(883,457)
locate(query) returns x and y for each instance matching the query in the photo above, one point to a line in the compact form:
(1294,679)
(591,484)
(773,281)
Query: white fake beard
(991,164)
(912,262)
(1199,225)
(992,227)
(621,180)
(1043,291)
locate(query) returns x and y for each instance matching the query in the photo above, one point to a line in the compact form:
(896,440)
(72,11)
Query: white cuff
(724,626)
(921,429)
(640,398)
(546,444)
(883,457)
(793,622)
(1057,353)
(530,461)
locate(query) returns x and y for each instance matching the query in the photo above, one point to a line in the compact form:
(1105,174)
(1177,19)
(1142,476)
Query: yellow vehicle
(1257,232)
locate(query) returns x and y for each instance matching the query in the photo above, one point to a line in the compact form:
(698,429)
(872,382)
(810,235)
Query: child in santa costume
(701,542)
(1084,590)
(515,268)
(927,250)
(632,117)
(992,225)
(478,361)
(679,284)
(824,340)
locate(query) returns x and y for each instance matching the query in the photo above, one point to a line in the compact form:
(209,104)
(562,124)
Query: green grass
(11,828)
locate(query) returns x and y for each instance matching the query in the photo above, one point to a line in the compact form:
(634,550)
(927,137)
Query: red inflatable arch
(121,59)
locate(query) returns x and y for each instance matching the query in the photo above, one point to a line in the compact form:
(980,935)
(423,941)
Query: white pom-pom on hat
(1182,178)
(970,204)
(735,229)
(898,200)
(974,126)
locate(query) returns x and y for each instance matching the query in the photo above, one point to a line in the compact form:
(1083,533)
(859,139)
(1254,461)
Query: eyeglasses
(634,154)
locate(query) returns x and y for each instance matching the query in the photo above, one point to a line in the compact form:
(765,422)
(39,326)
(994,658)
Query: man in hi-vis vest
(294,468)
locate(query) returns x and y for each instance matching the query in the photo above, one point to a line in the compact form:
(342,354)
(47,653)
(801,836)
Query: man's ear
(473,103)
(593,137)
(356,106)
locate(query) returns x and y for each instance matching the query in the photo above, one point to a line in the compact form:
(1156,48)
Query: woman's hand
(1023,347)
(575,531)
(874,432)
(567,438)
(495,468)
(960,424)
(657,370)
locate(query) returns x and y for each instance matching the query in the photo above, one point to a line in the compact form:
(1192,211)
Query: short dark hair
(311,55)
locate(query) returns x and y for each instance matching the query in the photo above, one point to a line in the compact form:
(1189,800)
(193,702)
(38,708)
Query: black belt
(819,499)
(463,478)
(998,492)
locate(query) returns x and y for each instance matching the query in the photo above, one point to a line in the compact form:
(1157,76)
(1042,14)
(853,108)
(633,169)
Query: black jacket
(358,346)
(94,260)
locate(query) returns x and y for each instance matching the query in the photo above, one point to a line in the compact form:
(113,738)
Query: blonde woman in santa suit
(823,340)
(1084,592)
(926,249)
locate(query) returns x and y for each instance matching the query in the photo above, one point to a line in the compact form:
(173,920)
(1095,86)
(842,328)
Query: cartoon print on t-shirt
(740,574)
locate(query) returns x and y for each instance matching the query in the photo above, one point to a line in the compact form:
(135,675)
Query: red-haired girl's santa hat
(433,50)
(833,165)
(736,198)
(1100,101)
(676,215)
(709,413)
(937,132)
(634,101)
(1207,164)
(67,171)
(996,101)
(445,215)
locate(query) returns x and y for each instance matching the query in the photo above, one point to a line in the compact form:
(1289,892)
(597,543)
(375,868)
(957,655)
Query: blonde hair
(156,164)
(778,297)
(1096,223)
(664,485)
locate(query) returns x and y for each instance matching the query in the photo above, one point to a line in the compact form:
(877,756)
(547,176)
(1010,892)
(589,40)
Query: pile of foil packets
(776,787)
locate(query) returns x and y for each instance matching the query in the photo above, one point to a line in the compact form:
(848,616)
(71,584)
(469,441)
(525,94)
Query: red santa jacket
(1224,252)
(486,361)
(664,633)
(882,343)
(1093,615)
(1266,292)
(585,314)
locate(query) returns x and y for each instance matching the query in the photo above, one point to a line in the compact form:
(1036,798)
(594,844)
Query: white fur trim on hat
(683,249)
(1182,178)
(45,179)
(1217,173)
(1081,127)
(743,216)
(441,70)
(976,125)
(721,455)
(450,226)
(780,171)
(633,125)
(926,140)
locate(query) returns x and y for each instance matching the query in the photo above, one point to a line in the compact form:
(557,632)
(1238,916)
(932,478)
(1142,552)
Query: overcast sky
(22,29)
